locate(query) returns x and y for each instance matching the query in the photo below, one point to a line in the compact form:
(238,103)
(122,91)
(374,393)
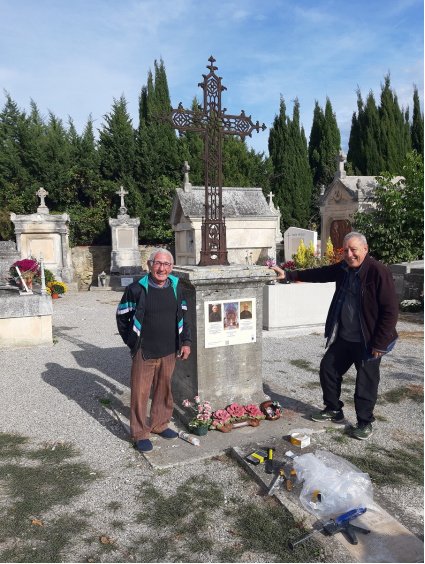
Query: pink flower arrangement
(270,262)
(27,267)
(220,418)
(202,410)
(236,411)
(254,412)
(288,265)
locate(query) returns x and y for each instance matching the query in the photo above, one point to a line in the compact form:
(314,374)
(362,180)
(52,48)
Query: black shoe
(360,432)
(328,415)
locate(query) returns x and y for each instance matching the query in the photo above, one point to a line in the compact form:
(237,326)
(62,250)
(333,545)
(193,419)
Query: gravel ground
(53,395)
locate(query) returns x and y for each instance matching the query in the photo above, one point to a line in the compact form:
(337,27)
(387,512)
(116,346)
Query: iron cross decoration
(213,123)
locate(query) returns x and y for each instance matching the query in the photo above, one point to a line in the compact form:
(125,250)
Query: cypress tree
(417,130)
(394,143)
(323,148)
(355,156)
(291,180)
(117,151)
(370,124)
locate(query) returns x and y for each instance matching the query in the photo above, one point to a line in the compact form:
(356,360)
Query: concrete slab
(389,541)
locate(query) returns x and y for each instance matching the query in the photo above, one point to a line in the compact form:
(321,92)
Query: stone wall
(90,261)
(409,280)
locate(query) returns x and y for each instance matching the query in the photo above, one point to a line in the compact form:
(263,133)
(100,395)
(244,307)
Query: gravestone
(226,354)
(126,258)
(293,237)
(8,255)
(45,234)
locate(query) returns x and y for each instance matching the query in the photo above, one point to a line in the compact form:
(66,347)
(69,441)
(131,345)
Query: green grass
(392,467)
(34,481)
(413,392)
(184,525)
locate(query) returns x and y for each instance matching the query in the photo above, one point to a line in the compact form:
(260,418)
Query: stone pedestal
(228,372)
(25,320)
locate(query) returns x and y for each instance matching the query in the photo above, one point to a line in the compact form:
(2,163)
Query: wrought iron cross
(212,121)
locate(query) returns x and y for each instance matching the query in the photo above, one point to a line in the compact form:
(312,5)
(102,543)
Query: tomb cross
(341,160)
(42,193)
(121,192)
(213,123)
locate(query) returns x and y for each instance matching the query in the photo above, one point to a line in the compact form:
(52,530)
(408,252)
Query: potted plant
(28,268)
(200,423)
(56,288)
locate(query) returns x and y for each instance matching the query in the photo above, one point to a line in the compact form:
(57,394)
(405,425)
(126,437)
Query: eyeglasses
(159,263)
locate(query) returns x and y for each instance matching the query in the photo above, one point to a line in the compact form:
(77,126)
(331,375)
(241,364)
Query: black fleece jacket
(378,299)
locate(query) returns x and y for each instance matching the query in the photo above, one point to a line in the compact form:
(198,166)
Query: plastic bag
(331,484)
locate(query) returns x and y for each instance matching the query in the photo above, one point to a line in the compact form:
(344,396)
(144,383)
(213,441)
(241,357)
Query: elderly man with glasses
(152,321)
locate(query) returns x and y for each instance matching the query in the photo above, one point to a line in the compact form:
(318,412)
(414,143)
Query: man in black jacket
(360,328)
(151,319)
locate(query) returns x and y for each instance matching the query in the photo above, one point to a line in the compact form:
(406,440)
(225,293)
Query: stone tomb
(293,237)
(225,364)
(47,235)
(252,224)
(126,258)
(345,196)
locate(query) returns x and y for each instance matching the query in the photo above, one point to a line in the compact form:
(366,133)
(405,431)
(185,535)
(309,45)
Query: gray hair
(162,251)
(355,235)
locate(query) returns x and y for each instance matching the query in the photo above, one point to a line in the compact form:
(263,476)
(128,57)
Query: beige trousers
(146,375)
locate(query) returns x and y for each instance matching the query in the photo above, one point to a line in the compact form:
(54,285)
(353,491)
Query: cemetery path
(77,491)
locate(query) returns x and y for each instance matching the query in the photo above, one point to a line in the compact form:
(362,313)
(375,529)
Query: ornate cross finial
(187,186)
(271,199)
(341,160)
(42,193)
(121,192)
(212,122)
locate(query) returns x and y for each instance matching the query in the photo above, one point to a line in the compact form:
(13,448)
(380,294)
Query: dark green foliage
(417,129)
(291,181)
(394,229)
(379,136)
(323,149)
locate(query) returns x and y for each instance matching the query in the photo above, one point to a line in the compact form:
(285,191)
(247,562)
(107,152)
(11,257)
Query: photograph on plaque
(230,322)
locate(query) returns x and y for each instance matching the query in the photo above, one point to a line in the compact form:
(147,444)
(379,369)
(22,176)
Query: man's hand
(279,271)
(184,352)
(376,354)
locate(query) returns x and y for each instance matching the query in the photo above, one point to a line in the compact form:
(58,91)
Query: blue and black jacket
(131,311)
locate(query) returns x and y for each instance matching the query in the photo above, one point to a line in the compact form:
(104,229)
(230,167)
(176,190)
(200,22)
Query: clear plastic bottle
(189,438)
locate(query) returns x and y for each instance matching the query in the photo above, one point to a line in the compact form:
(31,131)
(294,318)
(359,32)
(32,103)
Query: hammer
(269,461)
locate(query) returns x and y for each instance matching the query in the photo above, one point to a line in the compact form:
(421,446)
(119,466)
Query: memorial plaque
(125,238)
(44,247)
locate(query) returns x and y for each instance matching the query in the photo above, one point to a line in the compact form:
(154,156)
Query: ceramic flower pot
(54,296)
(200,431)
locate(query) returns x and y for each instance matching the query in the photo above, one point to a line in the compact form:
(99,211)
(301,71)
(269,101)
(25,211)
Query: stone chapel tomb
(252,223)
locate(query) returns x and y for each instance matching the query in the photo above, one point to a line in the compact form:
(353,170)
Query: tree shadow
(89,390)
(292,404)
(114,362)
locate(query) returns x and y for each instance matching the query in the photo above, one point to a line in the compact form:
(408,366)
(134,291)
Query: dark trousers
(153,375)
(340,356)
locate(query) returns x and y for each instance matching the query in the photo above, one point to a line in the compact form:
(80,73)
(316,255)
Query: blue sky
(73,57)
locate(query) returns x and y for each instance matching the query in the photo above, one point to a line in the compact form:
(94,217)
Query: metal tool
(340,524)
